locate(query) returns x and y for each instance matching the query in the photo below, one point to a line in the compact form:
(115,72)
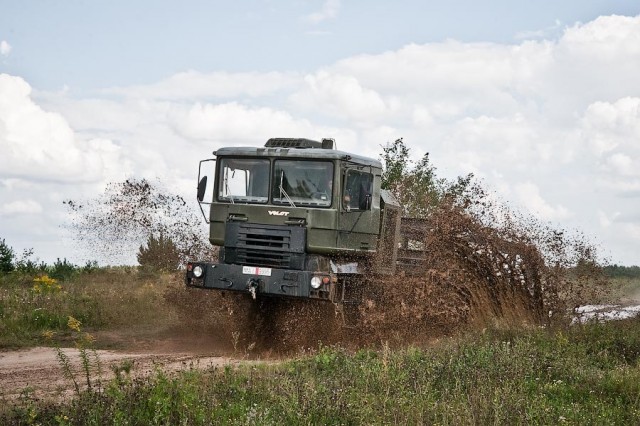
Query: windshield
(303,183)
(244,180)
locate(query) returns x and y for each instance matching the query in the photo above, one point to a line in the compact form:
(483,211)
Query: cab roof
(302,153)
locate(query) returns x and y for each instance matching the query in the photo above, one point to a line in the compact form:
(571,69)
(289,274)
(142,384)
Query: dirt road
(38,370)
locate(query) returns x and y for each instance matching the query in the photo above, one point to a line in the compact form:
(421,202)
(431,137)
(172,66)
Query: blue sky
(95,44)
(540,100)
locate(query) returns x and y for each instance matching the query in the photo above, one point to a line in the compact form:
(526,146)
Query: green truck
(299,219)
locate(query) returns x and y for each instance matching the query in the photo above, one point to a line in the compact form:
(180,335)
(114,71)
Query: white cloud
(339,96)
(196,85)
(5,48)
(606,36)
(37,144)
(540,33)
(12,184)
(20,207)
(529,195)
(329,10)
(622,164)
(611,131)
(235,122)
(606,220)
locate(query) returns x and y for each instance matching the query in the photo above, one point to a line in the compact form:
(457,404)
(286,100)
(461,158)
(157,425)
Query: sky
(539,100)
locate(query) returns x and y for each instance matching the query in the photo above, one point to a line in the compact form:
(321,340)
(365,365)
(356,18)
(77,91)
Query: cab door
(359,210)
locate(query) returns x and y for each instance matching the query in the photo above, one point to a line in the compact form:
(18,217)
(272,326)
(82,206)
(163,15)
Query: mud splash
(474,276)
(112,226)
(483,267)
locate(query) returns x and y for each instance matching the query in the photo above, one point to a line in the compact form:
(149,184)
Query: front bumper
(261,281)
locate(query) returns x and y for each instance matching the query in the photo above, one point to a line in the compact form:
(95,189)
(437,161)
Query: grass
(581,375)
(584,374)
(626,288)
(36,309)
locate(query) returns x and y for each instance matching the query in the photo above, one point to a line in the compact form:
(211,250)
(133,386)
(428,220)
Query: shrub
(161,253)
(63,270)
(7,257)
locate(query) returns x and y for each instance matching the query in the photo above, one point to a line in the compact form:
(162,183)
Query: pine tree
(160,254)
(7,257)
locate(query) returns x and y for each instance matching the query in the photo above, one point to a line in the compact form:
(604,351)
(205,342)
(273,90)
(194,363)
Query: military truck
(298,218)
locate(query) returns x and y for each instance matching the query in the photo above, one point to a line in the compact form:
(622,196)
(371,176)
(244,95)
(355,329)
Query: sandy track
(38,369)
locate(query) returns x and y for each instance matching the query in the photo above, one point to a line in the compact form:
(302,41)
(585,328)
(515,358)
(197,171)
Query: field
(491,373)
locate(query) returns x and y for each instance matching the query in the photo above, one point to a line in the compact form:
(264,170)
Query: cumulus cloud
(329,10)
(529,195)
(611,131)
(37,144)
(234,122)
(546,32)
(20,207)
(5,48)
(196,85)
(215,125)
(339,96)
(43,161)
(606,35)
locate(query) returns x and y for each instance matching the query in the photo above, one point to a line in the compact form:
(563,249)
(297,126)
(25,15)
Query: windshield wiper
(283,192)
(226,186)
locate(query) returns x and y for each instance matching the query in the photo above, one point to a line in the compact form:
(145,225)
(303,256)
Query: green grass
(584,374)
(626,289)
(106,299)
(581,375)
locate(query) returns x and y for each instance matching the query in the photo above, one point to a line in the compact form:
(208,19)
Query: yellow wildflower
(88,338)
(44,283)
(74,324)
(45,279)
(48,334)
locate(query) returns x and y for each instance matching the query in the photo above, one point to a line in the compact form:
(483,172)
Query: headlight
(197,271)
(316,282)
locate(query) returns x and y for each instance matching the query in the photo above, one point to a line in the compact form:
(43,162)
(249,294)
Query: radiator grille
(258,246)
(272,246)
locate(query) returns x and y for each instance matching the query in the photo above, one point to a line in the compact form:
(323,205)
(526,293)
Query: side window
(357,191)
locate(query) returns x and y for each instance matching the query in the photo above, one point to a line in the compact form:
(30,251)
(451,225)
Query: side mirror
(202,186)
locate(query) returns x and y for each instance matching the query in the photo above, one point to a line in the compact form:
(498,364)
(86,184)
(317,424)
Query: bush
(416,186)
(62,269)
(161,254)
(7,257)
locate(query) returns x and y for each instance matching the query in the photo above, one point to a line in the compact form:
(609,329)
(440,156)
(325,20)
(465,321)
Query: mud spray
(483,266)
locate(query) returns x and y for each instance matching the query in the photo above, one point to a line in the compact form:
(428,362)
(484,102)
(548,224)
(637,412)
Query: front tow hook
(226,280)
(252,286)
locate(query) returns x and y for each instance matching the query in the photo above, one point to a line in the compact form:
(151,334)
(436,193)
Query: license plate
(253,270)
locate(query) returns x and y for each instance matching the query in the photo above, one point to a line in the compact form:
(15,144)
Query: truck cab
(289,217)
